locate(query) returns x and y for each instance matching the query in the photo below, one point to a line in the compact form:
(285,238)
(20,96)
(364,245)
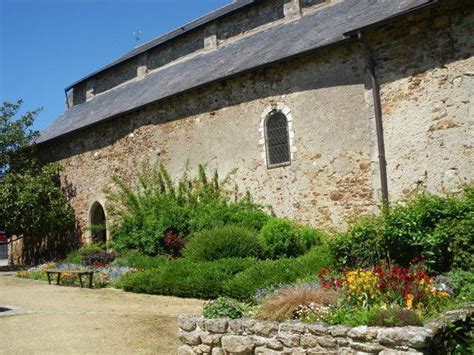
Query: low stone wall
(246,336)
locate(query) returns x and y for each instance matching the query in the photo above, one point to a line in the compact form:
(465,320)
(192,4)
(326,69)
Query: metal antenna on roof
(136,35)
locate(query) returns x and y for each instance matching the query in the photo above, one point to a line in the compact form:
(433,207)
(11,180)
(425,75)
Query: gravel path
(70,320)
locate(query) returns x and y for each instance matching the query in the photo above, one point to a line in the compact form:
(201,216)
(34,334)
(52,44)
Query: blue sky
(47,44)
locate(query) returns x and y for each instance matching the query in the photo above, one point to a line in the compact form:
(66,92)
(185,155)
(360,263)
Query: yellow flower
(409,300)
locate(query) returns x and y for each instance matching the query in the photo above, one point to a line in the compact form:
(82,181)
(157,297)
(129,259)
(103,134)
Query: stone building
(293,93)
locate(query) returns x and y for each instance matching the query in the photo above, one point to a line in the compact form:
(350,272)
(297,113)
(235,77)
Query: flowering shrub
(225,307)
(408,287)
(360,288)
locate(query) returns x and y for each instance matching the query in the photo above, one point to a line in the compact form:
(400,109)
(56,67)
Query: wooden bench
(80,273)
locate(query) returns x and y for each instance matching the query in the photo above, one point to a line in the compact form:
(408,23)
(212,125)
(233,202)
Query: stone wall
(425,67)
(245,336)
(328,179)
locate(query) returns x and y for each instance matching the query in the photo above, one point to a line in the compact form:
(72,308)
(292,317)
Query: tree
(16,136)
(33,206)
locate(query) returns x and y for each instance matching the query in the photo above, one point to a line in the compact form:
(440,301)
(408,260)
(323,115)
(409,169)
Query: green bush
(225,307)
(279,238)
(362,246)
(452,245)
(139,261)
(439,227)
(140,217)
(461,284)
(185,278)
(282,238)
(223,242)
(270,273)
(309,237)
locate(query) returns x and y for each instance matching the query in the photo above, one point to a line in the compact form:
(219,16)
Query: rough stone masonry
(246,336)
(203,94)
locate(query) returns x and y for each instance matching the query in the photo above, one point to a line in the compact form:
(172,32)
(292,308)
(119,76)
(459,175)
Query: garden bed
(248,336)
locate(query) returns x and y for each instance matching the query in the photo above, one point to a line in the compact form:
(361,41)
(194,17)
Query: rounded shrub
(229,241)
(309,237)
(279,238)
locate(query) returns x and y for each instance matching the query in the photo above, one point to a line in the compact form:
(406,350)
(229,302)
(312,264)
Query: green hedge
(239,278)
(185,278)
(274,272)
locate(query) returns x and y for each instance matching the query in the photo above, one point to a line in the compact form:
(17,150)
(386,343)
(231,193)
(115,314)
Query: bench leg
(80,280)
(58,278)
(90,280)
(49,278)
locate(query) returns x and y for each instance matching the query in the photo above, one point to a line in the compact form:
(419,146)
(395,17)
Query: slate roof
(214,15)
(320,29)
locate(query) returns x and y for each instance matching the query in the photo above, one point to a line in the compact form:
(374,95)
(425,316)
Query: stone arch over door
(97,226)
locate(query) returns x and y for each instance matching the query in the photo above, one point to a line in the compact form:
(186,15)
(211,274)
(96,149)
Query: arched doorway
(98,224)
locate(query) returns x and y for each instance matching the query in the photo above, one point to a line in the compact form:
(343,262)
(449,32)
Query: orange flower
(409,300)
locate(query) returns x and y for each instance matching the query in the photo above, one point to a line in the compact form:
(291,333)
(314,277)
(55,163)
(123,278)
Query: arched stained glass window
(277,139)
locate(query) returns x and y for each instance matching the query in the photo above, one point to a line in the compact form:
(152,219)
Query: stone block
(258,340)
(318,329)
(203,349)
(319,351)
(265,328)
(235,326)
(211,339)
(247,325)
(264,351)
(237,344)
(185,350)
(187,323)
(309,341)
(338,330)
(192,338)
(217,351)
(363,333)
(216,325)
(274,344)
(327,342)
(414,337)
(367,347)
(289,339)
(293,327)
(294,351)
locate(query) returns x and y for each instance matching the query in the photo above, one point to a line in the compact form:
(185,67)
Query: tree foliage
(16,134)
(33,207)
(32,204)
